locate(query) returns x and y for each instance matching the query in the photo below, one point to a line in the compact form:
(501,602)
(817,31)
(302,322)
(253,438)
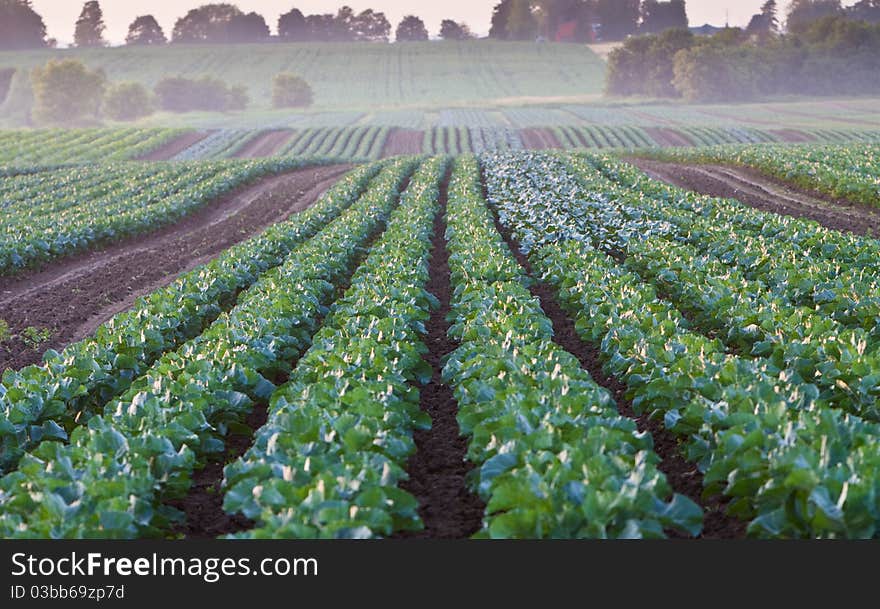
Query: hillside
(357,76)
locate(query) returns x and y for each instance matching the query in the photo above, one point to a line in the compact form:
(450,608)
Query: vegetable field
(619,357)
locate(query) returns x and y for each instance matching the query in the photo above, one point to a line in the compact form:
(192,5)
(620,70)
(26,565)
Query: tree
(247,28)
(370,26)
(803,12)
(89,31)
(765,23)
(619,18)
(292,26)
(127,101)
(500,15)
(769,12)
(521,22)
(321,28)
(451,30)
(411,29)
(66,92)
(291,91)
(659,16)
(145,30)
(21,27)
(177,94)
(205,24)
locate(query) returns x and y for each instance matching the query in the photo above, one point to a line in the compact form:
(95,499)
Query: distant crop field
(357,75)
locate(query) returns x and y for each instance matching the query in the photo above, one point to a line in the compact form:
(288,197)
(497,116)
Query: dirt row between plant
(668,137)
(767,194)
(539,139)
(72,297)
(438,469)
(792,136)
(177,145)
(403,142)
(683,476)
(264,145)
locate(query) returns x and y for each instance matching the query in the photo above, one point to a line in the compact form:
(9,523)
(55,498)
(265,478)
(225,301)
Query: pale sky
(60,15)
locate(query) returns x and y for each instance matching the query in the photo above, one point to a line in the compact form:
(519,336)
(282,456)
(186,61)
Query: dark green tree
(452,30)
(89,31)
(205,24)
(21,27)
(411,29)
(145,30)
(619,18)
(801,13)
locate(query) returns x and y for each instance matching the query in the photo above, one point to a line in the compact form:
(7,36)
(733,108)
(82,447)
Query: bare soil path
(264,145)
(765,193)
(439,467)
(403,142)
(667,137)
(792,136)
(175,146)
(539,139)
(71,298)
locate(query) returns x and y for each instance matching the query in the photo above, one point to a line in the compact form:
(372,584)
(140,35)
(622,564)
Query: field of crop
(355,75)
(48,147)
(622,358)
(845,172)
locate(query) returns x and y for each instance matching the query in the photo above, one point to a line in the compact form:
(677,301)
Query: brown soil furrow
(539,139)
(792,136)
(667,137)
(73,297)
(683,476)
(264,145)
(175,146)
(438,469)
(767,194)
(403,142)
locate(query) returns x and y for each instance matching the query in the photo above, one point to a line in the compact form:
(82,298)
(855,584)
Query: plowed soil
(767,194)
(264,145)
(439,467)
(73,297)
(402,142)
(539,139)
(792,136)
(175,146)
(667,137)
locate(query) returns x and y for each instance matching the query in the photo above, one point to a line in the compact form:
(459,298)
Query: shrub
(211,94)
(127,101)
(291,91)
(66,92)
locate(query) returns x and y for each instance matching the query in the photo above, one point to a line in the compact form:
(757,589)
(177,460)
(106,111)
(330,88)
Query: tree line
(826,49)
(21,27)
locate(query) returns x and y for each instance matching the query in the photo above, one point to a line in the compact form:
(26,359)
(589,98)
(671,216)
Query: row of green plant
(554,457)
(47,401)
(848,172)
(328,462)
(64,225)
(117,473)
(74,146)
(338,142)
(788,462)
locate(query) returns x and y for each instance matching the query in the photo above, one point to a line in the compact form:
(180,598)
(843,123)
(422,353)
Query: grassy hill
(358,76)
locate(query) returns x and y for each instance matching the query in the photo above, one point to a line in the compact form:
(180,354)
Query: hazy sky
(60,15)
